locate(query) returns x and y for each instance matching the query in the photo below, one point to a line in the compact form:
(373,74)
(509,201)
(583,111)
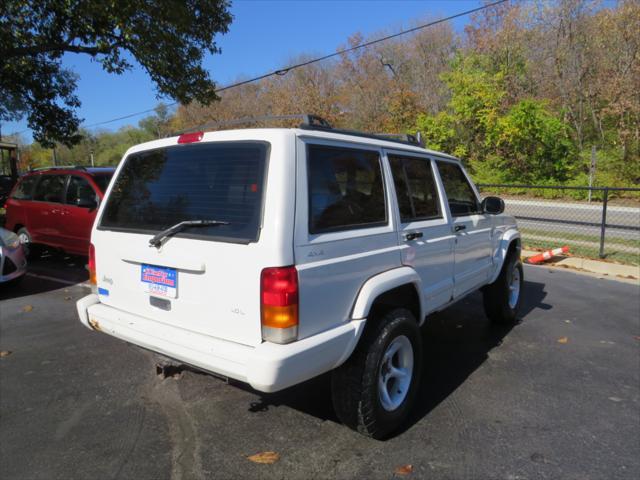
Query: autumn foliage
(521,95)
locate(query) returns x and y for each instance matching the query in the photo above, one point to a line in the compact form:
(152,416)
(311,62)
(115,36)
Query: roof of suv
(267,133)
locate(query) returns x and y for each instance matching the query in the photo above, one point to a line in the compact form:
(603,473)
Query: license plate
(161,281)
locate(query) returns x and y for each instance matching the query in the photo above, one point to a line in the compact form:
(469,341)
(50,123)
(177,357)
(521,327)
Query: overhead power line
(284,71)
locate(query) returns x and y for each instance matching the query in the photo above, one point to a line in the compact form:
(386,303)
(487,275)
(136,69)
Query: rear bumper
(267,367)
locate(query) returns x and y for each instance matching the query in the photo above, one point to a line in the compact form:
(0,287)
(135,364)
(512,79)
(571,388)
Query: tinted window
(462,199)
(345,189)
(103,181)
(159,188)
(80,190)
(50,188)
(24,190)
(415,187)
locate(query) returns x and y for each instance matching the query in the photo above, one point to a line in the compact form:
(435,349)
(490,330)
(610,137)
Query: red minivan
(57,206)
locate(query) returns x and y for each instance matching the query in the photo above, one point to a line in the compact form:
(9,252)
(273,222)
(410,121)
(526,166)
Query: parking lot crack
(186,461)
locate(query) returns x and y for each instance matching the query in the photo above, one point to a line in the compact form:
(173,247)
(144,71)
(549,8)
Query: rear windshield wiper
(156,241)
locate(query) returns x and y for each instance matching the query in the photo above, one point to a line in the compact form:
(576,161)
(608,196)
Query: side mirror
(86,203)
(492,205)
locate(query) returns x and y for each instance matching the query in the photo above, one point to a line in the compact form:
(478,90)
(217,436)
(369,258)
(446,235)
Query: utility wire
(284,71)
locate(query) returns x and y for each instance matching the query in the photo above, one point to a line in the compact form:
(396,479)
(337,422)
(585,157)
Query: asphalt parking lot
(556,396)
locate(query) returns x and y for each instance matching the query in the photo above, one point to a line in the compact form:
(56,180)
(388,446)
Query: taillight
(279,304)
(92,264)
(190,137)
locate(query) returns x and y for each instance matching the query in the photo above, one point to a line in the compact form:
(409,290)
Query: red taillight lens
(279,304)
(190,137)
(92,264)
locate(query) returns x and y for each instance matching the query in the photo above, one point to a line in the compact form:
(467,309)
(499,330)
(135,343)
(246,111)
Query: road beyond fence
(608,226)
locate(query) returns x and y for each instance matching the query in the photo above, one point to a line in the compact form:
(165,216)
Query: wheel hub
(514,287)
(396,372)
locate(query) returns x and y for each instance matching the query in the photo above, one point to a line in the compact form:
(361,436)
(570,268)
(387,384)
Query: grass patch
(579,250)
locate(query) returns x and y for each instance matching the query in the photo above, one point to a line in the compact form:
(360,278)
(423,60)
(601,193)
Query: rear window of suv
(222,181)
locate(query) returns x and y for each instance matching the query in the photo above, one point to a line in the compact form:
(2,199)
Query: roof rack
(306,120)
(404,138)
(311,122)
(59,167)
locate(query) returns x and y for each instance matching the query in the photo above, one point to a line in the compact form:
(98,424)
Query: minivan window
(462,199)
(345,189)
(24,190)
(415,188)
(50,188)
(102,181)
(159,188)
(79,189)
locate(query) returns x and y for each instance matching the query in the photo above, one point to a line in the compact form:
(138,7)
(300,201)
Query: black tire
(354,385)
(29,248)
(14,283)
(496,296)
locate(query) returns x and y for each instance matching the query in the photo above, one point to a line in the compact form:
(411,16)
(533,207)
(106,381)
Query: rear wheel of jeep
(373,391)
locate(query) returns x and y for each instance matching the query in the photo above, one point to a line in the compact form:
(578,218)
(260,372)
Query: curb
(594,266)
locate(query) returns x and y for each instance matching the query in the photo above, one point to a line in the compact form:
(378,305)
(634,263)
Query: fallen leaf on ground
(637,337)
(27,308)
(67,298)
(563,340)
(264,457)
(5,353)
(404,470)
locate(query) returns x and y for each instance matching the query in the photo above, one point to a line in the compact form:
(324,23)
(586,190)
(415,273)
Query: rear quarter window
(24,189)
(346,189)
(222,181)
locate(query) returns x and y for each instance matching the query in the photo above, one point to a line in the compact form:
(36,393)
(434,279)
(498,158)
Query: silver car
(13,263)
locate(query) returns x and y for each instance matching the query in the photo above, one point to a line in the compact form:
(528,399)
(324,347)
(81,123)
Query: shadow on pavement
(456,342)
(43,269)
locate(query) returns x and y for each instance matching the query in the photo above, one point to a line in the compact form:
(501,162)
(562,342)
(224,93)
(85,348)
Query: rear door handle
(412,236)
(459,228)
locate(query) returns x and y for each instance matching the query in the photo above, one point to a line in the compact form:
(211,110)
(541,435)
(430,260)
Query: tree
(158,125)
(168,38)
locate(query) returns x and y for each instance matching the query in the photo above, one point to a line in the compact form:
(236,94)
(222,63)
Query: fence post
(603,224)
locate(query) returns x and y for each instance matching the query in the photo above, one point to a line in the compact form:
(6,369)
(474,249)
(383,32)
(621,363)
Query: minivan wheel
(373,391)
(502,298)
(25,239)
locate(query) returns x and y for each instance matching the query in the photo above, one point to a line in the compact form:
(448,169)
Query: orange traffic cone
(541,257)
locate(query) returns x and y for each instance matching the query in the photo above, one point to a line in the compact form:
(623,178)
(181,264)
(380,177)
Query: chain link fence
(595,222)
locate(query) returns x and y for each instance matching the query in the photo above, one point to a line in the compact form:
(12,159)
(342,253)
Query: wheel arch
(510,242)
(398,287)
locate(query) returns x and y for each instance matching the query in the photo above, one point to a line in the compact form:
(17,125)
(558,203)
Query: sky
(264,36)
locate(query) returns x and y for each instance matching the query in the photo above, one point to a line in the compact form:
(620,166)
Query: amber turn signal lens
(280,317)
(92,265)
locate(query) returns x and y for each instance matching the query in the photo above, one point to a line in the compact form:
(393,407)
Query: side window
(462,199)
(50,188)
(79,192)
(415,187)
(345,189)
(24,190)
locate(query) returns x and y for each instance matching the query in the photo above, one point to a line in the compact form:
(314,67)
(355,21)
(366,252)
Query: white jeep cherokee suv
(272,256)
